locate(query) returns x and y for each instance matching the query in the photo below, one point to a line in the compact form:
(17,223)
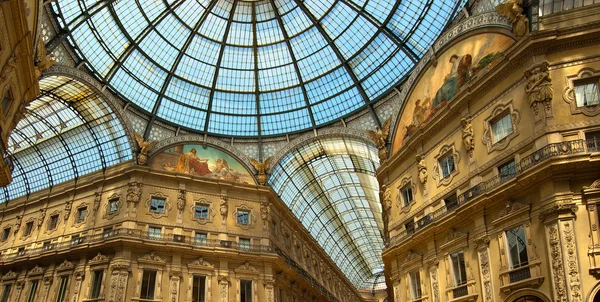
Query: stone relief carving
(166,208)
(572,262)
(437,173)
(223,207)
(134,193)
(486,278)
(41,218)
(557,263)
(210,214)
(181,200)
(224,288)
(67,210)
(265,210)
(539,89)
(422,170)
(97,198)
(386,202)
(435,287)
(467,135)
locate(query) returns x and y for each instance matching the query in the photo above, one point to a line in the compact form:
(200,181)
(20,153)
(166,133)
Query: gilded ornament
(379,136)
(145,146)
(261,169)
(513,10)
(43,60)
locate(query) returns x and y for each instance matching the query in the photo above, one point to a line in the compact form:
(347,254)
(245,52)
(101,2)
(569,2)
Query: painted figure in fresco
(190,163)
(458,76)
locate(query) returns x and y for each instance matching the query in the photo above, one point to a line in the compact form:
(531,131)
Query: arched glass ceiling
(330,186)
(68,131)
(252,68)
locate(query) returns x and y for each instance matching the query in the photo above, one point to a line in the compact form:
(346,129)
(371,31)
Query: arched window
(528,298)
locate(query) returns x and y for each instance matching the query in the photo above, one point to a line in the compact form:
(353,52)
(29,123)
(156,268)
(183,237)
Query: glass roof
(330,185)
(68,131)
(252,68)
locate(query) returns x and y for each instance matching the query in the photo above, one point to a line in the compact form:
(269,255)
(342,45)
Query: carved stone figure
(8,68)
(386,203)
(223,207)
(18,223)
(422,169)
(145,147)
(514,12)
(379,136)
(41,218)
(134,193)
(539,86)
(43,60)
(97,198)
(67,211)
(265,211)
(467,135)
(181,200)
(261,168)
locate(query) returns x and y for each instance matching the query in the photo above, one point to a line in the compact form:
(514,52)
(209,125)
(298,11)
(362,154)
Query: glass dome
(252,68)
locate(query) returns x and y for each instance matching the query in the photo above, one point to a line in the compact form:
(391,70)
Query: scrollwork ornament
(557,263)
(573,265)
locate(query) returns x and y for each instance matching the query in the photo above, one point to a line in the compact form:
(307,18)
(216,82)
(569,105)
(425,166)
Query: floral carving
(484,266)
(572,263)
(435,287)
(557,263)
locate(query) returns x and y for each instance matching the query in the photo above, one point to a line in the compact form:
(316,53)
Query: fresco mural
(198,161)
(438,85)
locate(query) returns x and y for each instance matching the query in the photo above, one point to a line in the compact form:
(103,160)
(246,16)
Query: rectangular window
(447,165)
(587,94)
(28,228)
(201,211)
(516,244)
(46,246)
(75,239)
(154,233)
(243,217)
(507,170)
(21,251)
(274,228)
(81,212)
(502,127)
(148,284)
(451,202)
(157,205)
(6,101)
(458,268)
(6,293)
(198,289)
(244,244)
(96,284)
(592,140)
(245,290)
(5,234)
(407,195)
(410,228)
(113,206)
(201,238)
(62,288)
(415,285)
(32,291)
(53,222)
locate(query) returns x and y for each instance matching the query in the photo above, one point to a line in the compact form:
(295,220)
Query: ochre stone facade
(107,224)
(501,203)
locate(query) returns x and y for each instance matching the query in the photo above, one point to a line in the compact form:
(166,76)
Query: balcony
(69,243)
(519,275)
(547,152)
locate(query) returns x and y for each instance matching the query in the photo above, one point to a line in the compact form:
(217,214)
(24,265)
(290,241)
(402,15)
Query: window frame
(28,228)
(152,235)
(499,112)
(496,120)
(157,207)
(96,285)
(446,158)
(415,290)
(507,177)
(201,204)
(53,222)
(248,283)
(584,82)
(458,278)
(204,292)
(151,284)
(510,259)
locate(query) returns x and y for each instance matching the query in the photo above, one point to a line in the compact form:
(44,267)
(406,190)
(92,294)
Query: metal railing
(134,234)
(520,274)
(527,162)
(460,291)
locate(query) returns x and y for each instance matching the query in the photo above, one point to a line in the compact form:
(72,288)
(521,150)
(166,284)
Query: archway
(527,295)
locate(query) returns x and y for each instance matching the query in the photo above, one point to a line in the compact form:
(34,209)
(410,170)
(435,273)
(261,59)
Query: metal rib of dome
(252,68)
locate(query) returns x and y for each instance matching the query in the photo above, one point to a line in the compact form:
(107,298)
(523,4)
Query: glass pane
(517,247)
(587,94)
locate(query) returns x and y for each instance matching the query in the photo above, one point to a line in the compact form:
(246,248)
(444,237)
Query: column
(118,282)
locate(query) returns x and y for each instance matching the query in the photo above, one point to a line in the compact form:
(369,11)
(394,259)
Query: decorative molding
(246,268)
(435,287)
(211,211)
(497,112)
(437,173)
(99,259)
(569,92)
(134,193)
(10,275)
(151,258)
(49,221)
(412,258)
(35,271)
(166,208)
(574,280)
(201,264)
(557,267)
(405,182)
(511,210)
(76,222)
(65,265)
(486,274)
(107,213)
(456,240)
(251,217)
